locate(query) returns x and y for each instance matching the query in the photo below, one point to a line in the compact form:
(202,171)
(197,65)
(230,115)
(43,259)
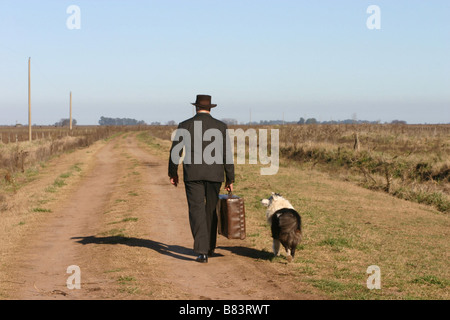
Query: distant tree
(271,122)
(65,123)
(301,121)
(398,122)
(311,121)
(229,121)
(155,123)
(171,123)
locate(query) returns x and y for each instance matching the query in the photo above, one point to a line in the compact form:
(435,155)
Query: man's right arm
(228,161)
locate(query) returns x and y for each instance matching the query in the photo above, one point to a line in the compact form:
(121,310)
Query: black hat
(204,100)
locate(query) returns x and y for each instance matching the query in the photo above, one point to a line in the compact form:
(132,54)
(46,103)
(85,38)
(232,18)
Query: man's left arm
(173,165)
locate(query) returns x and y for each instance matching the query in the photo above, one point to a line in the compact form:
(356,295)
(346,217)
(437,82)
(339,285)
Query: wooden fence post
(356,145)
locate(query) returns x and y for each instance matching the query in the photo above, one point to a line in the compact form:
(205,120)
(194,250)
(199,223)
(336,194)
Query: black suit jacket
(194,166)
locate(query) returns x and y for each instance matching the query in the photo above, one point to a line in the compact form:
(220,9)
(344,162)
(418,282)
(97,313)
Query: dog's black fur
(287,228)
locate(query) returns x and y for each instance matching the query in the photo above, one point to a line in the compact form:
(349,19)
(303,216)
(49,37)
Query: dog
(285,222)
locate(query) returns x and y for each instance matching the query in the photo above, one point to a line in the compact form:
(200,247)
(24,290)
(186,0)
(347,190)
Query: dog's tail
(299,225)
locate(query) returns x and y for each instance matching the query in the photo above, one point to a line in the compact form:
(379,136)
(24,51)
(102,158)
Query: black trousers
(202,197)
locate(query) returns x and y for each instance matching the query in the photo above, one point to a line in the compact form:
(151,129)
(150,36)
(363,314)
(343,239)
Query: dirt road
(126,228)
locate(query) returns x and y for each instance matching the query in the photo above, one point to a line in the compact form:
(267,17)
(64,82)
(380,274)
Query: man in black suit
(204,170)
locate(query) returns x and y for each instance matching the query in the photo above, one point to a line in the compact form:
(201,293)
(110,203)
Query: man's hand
(174,181)
(229,187)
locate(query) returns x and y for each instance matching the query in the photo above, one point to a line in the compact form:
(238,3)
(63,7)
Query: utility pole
(70,124)
(29,100)
(250,122)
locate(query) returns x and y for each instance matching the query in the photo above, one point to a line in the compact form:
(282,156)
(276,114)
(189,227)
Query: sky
(264,59)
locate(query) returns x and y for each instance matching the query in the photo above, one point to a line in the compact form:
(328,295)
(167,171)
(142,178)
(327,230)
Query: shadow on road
(174,251)
(249,252)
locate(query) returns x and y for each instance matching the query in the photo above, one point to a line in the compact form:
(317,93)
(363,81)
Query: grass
(41,210)
(50,189)
(65,175)
(58,183)
(128,285)
(125,279)
(336,243)
(346,229)
(129,219)
(76,167)
(432,281)
(157,145)
(115,233)
(329,286)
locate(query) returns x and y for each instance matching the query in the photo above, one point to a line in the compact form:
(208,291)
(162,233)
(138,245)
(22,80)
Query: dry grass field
(410,162)
(347,191)
(20,158)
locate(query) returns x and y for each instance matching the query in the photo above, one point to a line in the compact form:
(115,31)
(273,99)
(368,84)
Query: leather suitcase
(231,216)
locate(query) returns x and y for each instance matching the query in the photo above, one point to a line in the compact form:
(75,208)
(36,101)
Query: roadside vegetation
(410,162)
(21,160)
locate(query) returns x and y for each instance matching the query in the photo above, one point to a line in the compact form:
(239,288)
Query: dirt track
(127,229)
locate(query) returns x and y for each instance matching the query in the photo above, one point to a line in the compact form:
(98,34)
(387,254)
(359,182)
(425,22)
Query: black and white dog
(285,222)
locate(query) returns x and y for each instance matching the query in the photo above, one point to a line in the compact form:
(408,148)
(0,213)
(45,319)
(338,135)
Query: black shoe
(202,258)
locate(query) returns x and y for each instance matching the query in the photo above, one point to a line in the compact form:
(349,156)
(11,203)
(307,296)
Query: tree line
(310,121)
(104,121)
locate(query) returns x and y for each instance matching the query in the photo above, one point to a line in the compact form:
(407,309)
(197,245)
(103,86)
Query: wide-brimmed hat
(204,100)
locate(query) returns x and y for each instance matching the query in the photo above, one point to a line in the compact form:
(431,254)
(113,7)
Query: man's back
(197,166)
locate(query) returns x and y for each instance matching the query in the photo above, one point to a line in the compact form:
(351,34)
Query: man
(202,177)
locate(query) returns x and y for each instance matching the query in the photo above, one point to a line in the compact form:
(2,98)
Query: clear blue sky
(148,59)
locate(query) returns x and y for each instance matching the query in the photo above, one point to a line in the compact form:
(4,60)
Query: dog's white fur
(273,204)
